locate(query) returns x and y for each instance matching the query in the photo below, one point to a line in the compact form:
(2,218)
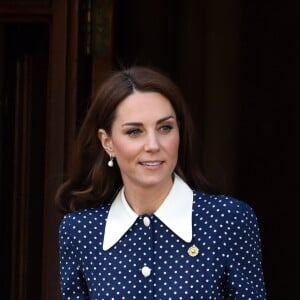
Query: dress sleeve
(72,283)
(245,274)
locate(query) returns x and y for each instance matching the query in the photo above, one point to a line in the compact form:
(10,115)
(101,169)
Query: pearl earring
(111,162)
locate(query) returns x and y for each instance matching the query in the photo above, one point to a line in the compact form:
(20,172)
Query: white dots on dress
(224,230)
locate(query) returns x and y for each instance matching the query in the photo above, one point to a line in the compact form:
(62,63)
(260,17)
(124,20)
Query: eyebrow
(140,124)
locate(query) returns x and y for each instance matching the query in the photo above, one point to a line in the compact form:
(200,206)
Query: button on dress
(222,260)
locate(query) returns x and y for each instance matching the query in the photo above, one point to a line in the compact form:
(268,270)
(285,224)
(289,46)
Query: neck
(147,200)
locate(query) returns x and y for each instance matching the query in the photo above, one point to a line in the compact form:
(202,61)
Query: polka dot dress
(223,260)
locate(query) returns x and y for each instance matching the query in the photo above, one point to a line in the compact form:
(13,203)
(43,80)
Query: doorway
(23,94)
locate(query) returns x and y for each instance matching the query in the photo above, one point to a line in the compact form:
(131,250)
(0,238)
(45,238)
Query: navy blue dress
(214,254)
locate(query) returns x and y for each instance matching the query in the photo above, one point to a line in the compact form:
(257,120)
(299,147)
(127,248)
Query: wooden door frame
(54,150)
(60,131)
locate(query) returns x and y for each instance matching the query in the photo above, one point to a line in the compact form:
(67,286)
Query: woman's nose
(152,142)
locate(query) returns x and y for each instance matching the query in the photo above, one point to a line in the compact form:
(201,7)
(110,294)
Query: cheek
(173,145)
(124,150)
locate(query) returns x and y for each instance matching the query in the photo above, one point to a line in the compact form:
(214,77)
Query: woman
(140,219)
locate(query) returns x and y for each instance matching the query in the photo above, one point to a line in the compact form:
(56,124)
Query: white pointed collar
(175,212)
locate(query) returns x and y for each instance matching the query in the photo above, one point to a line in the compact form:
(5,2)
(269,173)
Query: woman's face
(144,139)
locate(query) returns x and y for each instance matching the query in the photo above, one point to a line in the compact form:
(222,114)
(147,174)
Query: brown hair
(91,182)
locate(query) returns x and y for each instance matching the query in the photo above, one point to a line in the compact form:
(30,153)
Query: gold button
(193,251)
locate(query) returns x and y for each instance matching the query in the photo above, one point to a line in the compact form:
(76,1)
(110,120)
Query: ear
(106,141)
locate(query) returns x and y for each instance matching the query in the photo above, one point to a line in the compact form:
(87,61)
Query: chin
(153,180)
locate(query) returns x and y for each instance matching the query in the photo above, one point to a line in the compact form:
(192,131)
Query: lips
(151,163)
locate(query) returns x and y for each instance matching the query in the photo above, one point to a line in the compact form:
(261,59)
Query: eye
(133,132)
(165,129)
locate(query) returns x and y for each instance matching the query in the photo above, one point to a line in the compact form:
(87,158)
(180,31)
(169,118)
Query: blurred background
(236,62)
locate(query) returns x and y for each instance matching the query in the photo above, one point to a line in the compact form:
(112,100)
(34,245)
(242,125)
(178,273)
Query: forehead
(144,105)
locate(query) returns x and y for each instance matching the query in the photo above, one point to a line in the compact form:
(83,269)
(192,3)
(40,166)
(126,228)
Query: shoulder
(222,205)
(81,220)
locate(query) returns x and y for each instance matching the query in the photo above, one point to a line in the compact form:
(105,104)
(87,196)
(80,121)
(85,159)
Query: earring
(111,161)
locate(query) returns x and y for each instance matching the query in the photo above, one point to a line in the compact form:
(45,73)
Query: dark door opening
(23,94)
